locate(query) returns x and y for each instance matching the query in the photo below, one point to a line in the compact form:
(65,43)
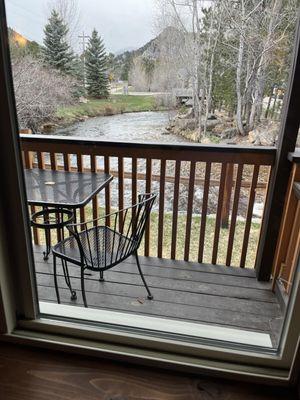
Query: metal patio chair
(98,245)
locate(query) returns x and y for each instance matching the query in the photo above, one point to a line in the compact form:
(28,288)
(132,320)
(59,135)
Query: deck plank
(213,289)
(168,296)
(217,295)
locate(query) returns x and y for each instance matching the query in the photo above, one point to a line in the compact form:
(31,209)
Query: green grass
(194,242)
(116,104)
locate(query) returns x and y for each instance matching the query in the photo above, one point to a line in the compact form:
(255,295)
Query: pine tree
(96,67)
(57,52)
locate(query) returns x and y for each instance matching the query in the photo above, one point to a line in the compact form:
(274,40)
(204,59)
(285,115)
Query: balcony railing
(205,210)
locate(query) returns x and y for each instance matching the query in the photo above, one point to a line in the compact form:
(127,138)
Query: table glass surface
(63,189)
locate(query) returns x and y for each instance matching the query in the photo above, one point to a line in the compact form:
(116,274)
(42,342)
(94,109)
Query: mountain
(121,63)
(21,45)
(127,49)
(16,38)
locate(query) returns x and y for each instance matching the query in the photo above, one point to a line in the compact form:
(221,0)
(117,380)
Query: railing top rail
(182,151)
(295,156)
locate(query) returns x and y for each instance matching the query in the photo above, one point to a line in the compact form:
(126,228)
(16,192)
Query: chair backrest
(110,239)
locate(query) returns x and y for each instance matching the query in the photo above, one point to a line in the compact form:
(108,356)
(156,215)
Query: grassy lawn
(116,104)
(194,243)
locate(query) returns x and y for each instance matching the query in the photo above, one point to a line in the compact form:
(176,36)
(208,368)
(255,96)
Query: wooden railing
(288,245)
(206,197)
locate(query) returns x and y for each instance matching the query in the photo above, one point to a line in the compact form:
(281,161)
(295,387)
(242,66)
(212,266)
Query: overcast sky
(122,23)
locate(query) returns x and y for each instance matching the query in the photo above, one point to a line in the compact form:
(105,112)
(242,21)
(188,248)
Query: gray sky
(121,23)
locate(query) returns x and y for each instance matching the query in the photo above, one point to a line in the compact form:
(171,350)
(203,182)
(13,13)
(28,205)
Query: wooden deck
(223,296)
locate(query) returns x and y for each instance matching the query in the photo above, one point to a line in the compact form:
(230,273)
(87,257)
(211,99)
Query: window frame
(18,300)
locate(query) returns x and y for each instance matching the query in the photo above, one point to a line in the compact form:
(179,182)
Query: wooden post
(28,156)
(281,265)
(227,196)
(281,171)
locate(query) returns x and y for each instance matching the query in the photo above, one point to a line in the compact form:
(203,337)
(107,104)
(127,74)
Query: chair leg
(101,276)
(83,288)
(68,280)
(55,279)
(150,297)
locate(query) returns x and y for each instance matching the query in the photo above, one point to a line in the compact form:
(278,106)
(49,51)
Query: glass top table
(63,189)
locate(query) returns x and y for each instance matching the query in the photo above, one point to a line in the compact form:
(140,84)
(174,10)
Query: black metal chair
(97,246)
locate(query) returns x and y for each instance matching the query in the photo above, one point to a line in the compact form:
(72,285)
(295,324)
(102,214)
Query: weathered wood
(259,308)
(169,179)
(148,190)
(121,191)
(28,159)
(28,165)
(185,291)
(95,198)
(107,190)
(227,196)
(204,211)
(237,191)
(218,216)
(192,152)
(53,161)
(292,253)
(249,216)
(82,214)
(161,209)
(286,224)
(134,181)
(189,211)
(225,188)
(175,209)
(66,157)
(41,159)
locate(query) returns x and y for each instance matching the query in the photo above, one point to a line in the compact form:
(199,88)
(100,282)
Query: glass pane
(182,100)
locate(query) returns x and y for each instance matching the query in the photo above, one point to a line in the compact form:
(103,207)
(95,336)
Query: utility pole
(84,37)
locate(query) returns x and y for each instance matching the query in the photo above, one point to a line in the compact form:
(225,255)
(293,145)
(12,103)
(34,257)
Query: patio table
(61,190)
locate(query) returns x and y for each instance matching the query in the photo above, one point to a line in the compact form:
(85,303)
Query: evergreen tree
(57,52)
(96,67)
(76,71)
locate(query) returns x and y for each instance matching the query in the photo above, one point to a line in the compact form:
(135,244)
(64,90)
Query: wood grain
(226,296)
(36,374)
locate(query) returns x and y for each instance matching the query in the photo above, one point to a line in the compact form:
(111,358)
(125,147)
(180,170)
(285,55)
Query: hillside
(20,43)
(121,64)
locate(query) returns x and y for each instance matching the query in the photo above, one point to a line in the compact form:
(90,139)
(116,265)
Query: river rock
(211,124)
(229,133)
(265,135)
(83,100)
(83,118)
(49,127)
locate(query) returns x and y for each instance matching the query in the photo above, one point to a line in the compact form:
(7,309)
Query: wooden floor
(35,374)
(223,296)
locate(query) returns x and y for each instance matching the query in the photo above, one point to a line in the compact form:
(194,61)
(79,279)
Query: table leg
(48,244)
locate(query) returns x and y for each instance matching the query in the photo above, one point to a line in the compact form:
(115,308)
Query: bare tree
(39,91)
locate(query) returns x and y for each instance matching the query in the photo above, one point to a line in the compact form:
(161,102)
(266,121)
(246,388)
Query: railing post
(227,196)
(281,171)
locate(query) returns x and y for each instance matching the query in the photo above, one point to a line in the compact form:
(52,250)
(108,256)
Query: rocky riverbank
(222,129)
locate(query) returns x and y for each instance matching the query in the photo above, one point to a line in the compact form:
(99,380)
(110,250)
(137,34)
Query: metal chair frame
(116,244)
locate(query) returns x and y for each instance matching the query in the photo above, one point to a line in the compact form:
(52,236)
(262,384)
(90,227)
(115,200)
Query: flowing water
(136,127)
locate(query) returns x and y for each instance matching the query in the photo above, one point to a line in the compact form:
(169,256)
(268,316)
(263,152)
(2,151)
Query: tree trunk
(239,68)
(256,108)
